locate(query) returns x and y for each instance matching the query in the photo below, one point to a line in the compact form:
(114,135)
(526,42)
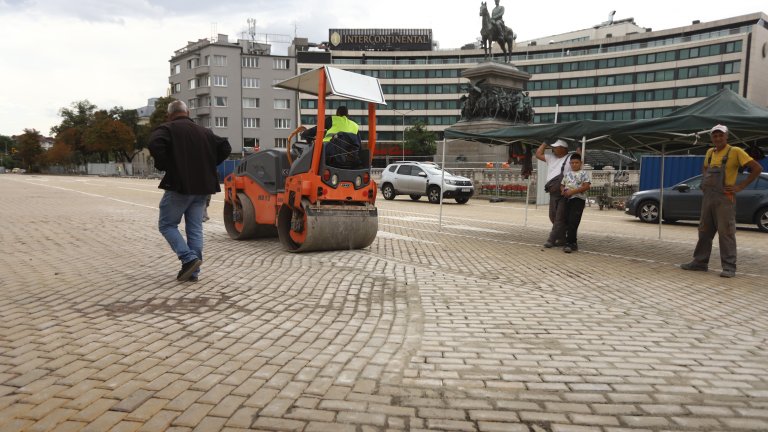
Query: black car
(683,202)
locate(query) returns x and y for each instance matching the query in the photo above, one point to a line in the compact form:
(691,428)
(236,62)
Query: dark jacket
(189,154)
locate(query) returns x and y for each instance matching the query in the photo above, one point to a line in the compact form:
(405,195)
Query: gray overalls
(718,215)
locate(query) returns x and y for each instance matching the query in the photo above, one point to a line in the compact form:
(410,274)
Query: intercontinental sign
(380,39)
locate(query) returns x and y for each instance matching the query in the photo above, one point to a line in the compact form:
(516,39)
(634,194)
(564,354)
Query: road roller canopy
(339,82)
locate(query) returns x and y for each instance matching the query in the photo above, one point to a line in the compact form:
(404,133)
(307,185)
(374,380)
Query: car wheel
(762,219)
(388,191)
(415,197)
(462,200)
(433,194)
(648,211)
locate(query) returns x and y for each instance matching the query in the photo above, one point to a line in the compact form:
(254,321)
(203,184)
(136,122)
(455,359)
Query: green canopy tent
(678,131)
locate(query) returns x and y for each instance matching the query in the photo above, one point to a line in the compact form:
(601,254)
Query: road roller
(307,195)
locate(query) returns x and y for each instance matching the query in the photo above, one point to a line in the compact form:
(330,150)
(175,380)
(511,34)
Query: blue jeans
(173,206)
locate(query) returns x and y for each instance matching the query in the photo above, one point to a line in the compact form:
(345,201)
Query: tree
(106,135)
(30,148)
(140,131)
(60,154)
(75,121)
(420,140)
(160,115)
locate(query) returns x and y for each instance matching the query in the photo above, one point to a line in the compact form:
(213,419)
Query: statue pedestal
(496,80)
(496,74)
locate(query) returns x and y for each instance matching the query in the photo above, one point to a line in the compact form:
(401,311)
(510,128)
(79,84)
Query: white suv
(423,178)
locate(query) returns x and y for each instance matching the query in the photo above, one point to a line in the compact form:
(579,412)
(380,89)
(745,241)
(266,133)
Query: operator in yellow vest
(333,125)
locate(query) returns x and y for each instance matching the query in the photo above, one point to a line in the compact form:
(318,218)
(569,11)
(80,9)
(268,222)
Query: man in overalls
(718,208)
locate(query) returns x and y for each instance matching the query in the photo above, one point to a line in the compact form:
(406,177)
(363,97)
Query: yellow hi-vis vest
(340,124)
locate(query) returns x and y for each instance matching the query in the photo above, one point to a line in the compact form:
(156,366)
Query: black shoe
(567,249)
(694,267)
(192,279)
(574,247)
(187,269)
(548,244)
(728,273)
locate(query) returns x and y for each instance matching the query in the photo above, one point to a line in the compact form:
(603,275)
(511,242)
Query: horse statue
(490,33)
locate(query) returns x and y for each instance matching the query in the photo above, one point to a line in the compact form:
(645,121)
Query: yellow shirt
(736,158)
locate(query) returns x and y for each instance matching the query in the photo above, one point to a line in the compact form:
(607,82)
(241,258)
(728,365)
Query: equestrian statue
(494,30)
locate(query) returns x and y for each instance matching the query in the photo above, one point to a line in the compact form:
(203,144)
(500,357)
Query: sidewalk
(471,327)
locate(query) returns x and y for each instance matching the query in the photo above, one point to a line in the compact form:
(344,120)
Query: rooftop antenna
(252,28)
(610,17)
(214,33)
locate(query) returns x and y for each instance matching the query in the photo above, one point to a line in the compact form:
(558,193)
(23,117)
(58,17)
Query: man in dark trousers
(718,206)
(188,154)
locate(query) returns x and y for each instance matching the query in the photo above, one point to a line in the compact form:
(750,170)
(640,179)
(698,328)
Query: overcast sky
(116,52)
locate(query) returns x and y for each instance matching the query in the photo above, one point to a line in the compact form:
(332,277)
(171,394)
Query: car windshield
(435,171)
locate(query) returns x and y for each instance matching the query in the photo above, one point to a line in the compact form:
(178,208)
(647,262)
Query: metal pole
(403,136)
(661,188)
(527,199)
(442,185)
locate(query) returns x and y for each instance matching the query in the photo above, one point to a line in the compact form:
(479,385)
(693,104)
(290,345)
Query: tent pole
(527,199)
(442,187)
(661,188)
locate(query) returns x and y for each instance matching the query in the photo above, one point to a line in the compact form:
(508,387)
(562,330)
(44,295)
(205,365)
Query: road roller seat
(269,168)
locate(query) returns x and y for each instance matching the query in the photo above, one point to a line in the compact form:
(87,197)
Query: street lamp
(403,113)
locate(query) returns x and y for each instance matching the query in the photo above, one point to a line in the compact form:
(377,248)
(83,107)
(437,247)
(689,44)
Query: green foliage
(420,140)
(160,115)
(106,135)
(30,148)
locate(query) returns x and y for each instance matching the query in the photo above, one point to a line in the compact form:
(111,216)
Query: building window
(219,60)
(281,63)
(250,62)
(204,121)
(192,84)
(193,63)
(221,122)
(176,88)
(252,122)
(282,104)
(281,142)
(275,82)
(220,101)
(206,101)
(282,123)
(207,60)
(192,103)
(250,83)
(250,102)
(219,81)
(176,69)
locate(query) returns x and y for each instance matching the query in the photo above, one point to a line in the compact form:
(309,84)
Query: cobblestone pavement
(471,326)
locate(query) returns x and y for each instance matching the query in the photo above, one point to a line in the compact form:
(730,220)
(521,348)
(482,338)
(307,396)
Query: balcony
(202,91)
(202,111)
(202,70)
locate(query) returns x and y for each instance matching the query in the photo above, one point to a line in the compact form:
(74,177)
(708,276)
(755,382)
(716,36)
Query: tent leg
(661,189)
(442,188)
(527,199)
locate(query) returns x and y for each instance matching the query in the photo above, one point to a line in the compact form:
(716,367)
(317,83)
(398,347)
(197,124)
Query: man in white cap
(557,167)
(718,207)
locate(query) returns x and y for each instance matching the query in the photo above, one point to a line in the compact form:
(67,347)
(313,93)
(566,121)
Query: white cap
(561,143)
(720,128)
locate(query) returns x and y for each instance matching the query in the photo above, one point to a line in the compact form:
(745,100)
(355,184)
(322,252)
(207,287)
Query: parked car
(683,202)
(416,179)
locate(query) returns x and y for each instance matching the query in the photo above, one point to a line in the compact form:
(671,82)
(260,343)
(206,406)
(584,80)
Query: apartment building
(229,87)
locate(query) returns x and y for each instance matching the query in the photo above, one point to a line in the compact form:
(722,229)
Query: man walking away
(718,207)
(188,154)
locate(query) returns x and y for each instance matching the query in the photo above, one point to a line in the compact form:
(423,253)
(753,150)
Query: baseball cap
(720,128)
(561,143)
